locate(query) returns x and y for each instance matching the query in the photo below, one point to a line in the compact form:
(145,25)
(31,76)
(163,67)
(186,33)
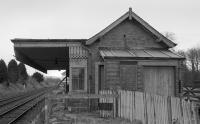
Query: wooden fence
(108,108)
(150,109)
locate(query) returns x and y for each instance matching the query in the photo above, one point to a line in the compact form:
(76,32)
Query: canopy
(43,54)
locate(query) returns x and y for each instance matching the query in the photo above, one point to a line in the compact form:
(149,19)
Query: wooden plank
(131,106)
(156,107)
(119,103)
(195,114)
(115,106)
(150,109)
(185,116)
(139,107)
(123,106)
(166,111)
(176,111)
(145,108)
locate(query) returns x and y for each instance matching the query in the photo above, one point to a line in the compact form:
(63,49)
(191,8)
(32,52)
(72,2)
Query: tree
(38,77)
(193,55)
(170,36)
(186,71)
(13,73)
(193,59)
(22,72)
(3,71)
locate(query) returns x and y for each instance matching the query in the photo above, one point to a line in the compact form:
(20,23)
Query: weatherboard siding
(131,32)
(136,37)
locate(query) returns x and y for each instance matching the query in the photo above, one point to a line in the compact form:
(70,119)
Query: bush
(3,71)
(13,73)
(38,77)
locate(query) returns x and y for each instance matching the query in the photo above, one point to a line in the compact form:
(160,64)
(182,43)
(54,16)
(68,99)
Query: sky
(84,18)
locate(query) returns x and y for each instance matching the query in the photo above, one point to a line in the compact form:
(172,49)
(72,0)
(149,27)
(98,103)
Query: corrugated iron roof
(139,53)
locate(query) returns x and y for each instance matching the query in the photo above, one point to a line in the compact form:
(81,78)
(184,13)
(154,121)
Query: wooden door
(101,77)
(159,80)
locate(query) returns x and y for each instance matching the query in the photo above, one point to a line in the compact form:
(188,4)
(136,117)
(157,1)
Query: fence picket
(139,107)
(133,106)
(149,108)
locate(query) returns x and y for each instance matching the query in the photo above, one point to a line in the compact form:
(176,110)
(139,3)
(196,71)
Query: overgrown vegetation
(12,73)
(23,75)
(3,71)
(38,77)
(191,65)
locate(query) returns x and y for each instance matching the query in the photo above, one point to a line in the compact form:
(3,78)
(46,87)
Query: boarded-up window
(128,75)
(112,75)
(159,80)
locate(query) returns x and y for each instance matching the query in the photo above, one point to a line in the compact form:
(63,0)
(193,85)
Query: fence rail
(150,109)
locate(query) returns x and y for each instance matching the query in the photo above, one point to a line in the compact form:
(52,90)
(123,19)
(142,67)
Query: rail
(12,108)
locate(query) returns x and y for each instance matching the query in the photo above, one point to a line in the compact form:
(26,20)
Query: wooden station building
(128,54)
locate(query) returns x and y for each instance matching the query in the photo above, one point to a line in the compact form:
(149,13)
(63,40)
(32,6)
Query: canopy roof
(44,54)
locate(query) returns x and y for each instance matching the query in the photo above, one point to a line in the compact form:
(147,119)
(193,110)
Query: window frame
(78,89)
(78,64)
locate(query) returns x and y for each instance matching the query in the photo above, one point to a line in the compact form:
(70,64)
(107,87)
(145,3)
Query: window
(78,78)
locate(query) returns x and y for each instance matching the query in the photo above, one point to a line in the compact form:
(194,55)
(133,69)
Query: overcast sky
(84,18)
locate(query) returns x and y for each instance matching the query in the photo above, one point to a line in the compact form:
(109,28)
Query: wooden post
(67,71)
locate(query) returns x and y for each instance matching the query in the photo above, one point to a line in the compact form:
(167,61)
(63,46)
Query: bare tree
(193,60)
(170,36)
(193,56)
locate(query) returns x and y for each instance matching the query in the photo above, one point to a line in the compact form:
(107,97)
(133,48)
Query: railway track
(12,108)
